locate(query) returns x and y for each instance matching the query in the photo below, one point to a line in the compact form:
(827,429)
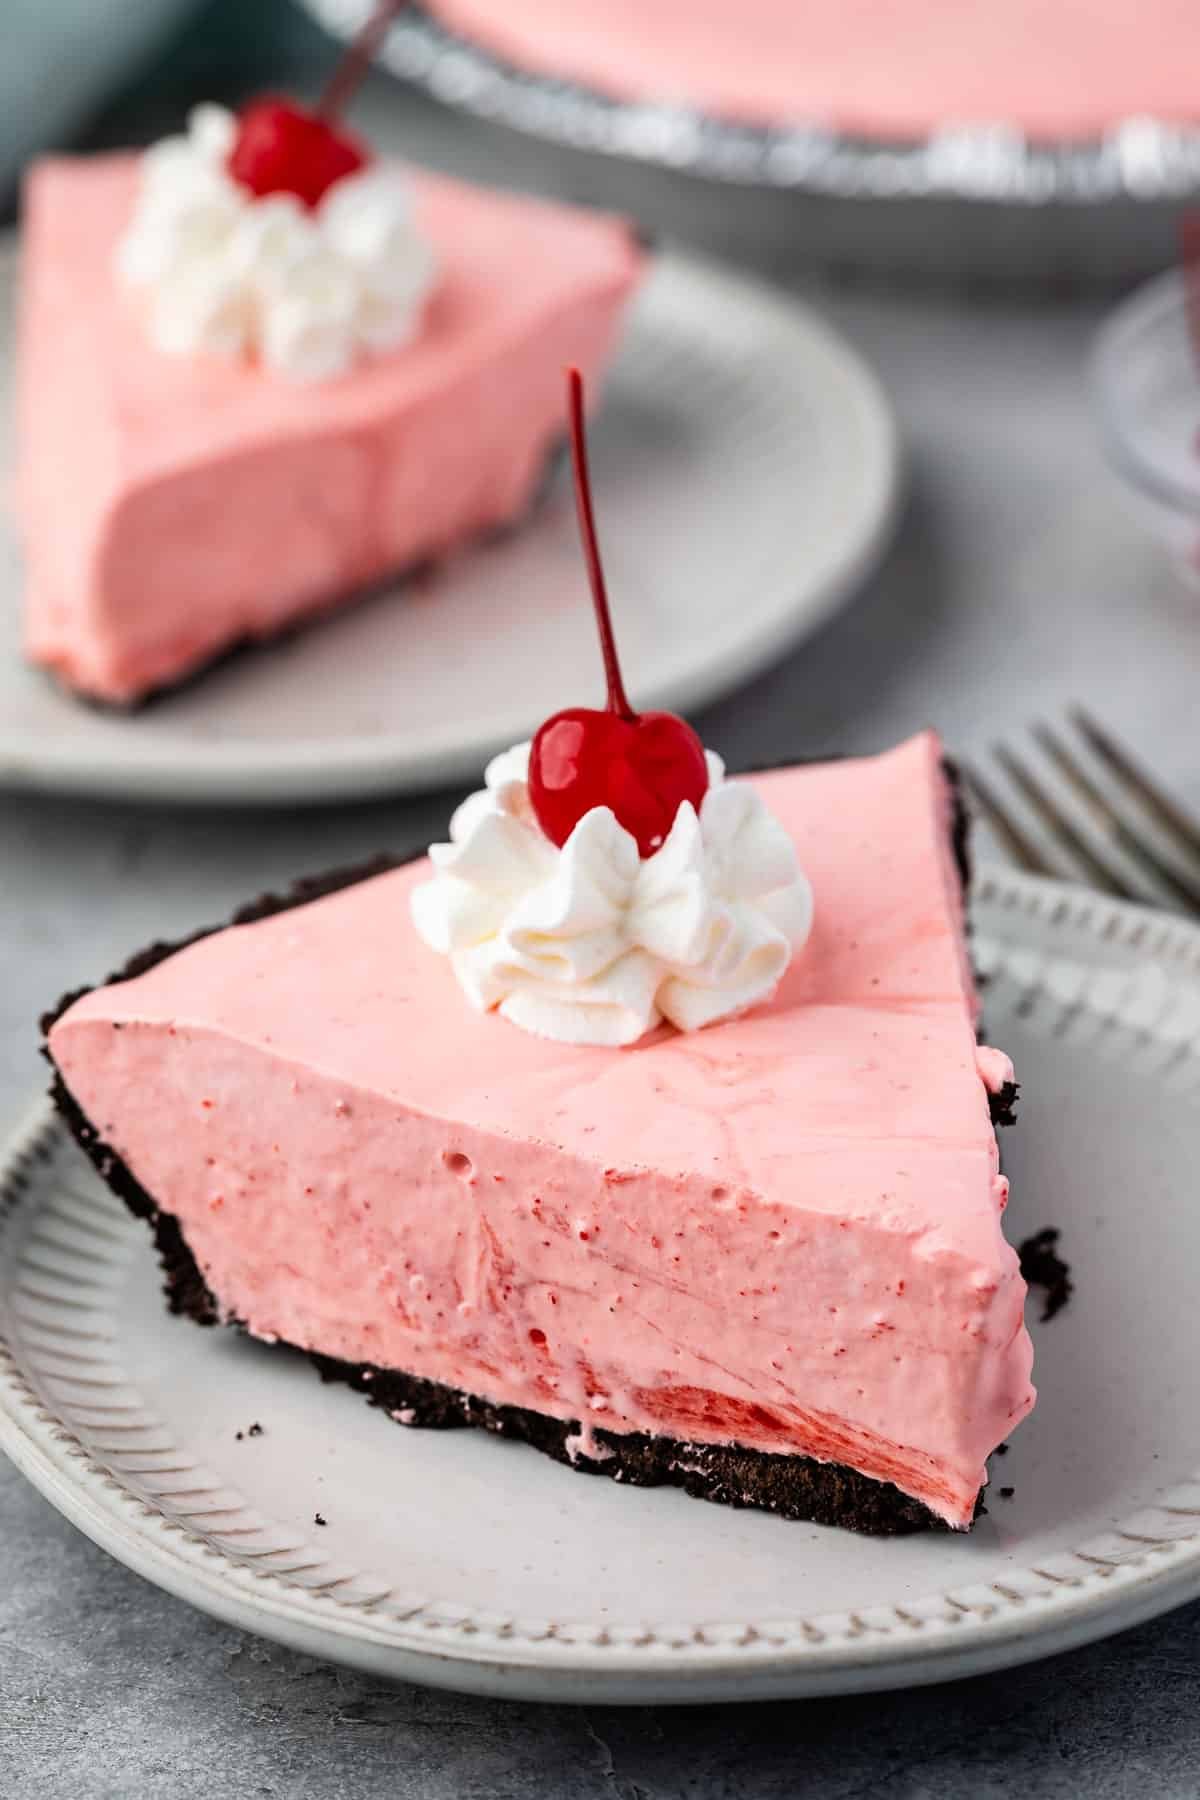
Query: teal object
(61,63)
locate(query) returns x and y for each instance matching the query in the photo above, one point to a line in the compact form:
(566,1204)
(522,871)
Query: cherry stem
(357,60)
(618,701)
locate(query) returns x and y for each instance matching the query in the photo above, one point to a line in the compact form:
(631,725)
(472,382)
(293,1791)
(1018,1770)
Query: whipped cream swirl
(591,944)
(229,273)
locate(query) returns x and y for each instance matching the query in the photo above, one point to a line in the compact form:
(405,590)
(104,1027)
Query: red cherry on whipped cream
(643,766)
(282,149)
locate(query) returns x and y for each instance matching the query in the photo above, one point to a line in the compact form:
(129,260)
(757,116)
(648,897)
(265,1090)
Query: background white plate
(746,473)
(456,1559)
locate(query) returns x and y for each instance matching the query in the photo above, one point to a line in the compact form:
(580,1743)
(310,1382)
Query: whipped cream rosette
(306,290)
(591,943)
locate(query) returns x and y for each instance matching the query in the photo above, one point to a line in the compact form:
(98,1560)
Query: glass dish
(1146,384)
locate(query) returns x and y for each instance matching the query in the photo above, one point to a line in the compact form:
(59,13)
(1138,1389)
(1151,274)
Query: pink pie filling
(171,507)
(782,1232)
(902,69)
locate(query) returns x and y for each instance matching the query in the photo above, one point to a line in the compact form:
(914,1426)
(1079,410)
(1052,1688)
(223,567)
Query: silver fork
(1119,829)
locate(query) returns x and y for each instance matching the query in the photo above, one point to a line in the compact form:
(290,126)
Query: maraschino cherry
(641,765)
(282,149)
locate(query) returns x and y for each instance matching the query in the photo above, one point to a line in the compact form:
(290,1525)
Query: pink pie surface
(1057,69)
(782,1232)
(171,507)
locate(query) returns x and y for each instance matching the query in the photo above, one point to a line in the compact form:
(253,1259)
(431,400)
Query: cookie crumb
(1001,1450)
(1043,1267)
(318,1520)
(1007,1493)
(256,1430)
(239,1435)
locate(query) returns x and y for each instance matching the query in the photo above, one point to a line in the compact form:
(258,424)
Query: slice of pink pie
(763,1261)
(172,507)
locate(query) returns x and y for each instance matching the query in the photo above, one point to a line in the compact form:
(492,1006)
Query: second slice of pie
(172,506)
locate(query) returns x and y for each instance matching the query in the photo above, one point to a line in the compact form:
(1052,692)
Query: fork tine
(1170,815)
(1187,893)
(1100,873)
(1021,848)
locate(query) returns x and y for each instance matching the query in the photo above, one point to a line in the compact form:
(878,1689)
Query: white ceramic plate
(746,471)
(456,1559)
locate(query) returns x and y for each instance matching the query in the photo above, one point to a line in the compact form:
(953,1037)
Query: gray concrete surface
(1017,583)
